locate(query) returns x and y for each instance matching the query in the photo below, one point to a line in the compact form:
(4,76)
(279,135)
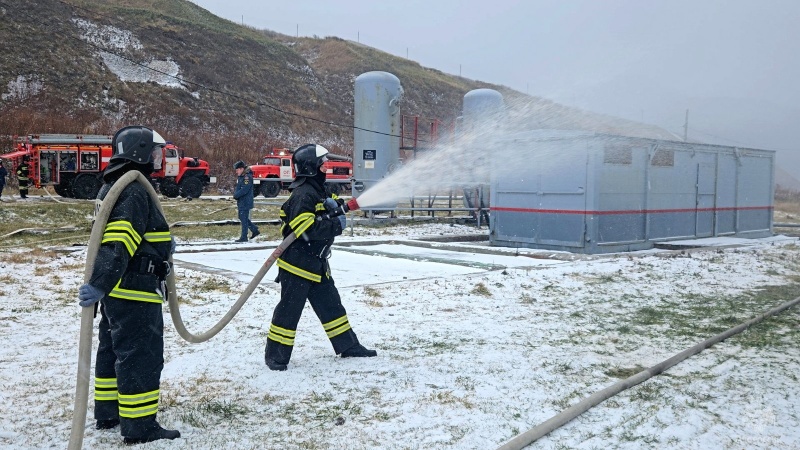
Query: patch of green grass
(482,290)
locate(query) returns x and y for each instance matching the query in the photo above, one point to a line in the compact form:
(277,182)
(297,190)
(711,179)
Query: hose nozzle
(351,205)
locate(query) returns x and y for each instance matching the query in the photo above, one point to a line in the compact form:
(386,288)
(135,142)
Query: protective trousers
(324,299)
(23,189)
(130,358)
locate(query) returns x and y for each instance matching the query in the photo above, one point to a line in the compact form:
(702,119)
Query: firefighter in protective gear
(303,267)
(129,276)
(22,178)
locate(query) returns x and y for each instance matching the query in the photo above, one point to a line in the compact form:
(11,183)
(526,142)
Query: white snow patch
(163,72)
(23,87)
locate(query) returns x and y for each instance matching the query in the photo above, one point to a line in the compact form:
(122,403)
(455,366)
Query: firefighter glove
(343,221)
(330,204)
(89,295)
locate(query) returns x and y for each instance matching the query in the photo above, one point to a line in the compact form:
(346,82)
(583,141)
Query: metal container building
(593,193)
(377,128)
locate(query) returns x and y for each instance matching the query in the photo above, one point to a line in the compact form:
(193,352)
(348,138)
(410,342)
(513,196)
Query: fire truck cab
(276,172)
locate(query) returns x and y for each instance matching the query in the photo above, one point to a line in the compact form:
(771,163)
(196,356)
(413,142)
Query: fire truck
(276,172)
(73,165)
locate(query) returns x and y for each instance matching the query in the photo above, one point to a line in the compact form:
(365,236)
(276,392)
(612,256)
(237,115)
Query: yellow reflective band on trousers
(158,236)
(301,223)
(299,272)
(122,231)
(132,406)
(336,327)
(105,389)
(130,294)
(281,335)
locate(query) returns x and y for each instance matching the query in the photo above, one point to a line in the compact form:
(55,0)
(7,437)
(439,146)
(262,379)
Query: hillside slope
(227,91)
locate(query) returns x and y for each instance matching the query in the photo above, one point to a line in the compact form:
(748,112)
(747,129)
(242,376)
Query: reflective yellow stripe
(122,231)
(124,225)
(129,294)
(158,236)
(336,327)
(301,223)
(132,406)
(120,237)
(281,335)
(320,207)
(132,413)
(135,399)
(298,271)
(105,389)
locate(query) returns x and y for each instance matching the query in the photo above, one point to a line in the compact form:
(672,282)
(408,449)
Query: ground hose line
(87,313)
(524,439)
(176,314)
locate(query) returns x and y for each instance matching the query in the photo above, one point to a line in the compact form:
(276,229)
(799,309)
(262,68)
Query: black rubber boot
(153,434)
(359,351)
(106,424)
(255,233)
(275,365)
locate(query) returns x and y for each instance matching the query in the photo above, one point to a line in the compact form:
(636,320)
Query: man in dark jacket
(303,267)
(244,199)
(3,174)
(22,178)
(128,276)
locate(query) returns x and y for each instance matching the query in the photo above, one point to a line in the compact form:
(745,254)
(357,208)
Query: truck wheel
(270,188)
(169,188)
(191,187)
(63,190)
(86,186)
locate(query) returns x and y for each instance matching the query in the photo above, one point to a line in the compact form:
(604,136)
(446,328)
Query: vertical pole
(686,127)
(297,33)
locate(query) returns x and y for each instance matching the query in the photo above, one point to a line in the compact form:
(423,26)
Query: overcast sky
(734,64)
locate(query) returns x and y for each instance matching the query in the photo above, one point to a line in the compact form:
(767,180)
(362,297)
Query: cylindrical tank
(377,128)
(482,117)
(482,109)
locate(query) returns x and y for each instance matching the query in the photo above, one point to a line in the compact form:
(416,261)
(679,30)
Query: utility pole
(459,70)
(406,52)
(297,33)
(686,127)
(358,36)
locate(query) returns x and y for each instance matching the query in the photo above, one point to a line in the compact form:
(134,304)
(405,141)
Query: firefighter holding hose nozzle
(128,281)
(316,217)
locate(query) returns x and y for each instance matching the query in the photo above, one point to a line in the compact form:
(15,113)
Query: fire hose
(527,438)
(87,313)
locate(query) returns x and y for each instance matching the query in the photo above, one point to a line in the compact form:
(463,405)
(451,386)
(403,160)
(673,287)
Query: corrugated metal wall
(594,193)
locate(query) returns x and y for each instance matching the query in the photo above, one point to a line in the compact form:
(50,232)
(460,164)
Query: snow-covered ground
(475,345)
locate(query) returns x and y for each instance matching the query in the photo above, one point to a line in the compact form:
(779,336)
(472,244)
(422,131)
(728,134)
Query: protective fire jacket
(244,190)
(131,261)
(22,174)
(307,256)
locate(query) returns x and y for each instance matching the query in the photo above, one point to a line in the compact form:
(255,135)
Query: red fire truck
(276,172)
(73,165)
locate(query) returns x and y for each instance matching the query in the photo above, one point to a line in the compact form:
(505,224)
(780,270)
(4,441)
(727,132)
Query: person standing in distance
(244,199)
(3,174)
(129,277)
(22,177)
(303,267)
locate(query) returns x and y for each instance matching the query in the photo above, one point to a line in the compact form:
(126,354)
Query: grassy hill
(223,90)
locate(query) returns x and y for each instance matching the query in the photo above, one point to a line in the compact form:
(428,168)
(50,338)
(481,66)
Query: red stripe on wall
(642,211)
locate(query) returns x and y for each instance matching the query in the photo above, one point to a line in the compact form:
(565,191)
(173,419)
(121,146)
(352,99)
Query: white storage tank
(377,128)
(482,109)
